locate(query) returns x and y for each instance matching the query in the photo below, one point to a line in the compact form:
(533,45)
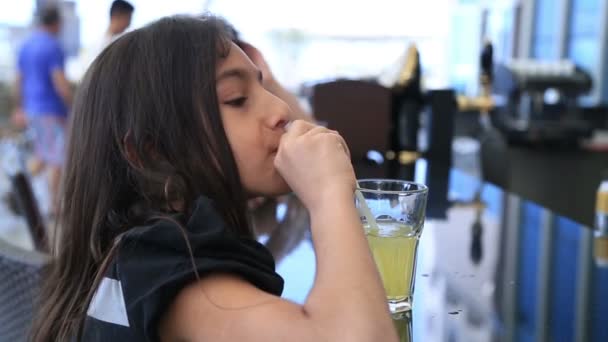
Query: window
(584,39)
(545,40)
(584,35)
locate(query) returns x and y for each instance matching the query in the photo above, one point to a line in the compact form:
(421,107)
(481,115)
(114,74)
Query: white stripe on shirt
(108,303)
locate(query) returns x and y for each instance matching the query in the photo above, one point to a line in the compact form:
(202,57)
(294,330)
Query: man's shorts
(49,133)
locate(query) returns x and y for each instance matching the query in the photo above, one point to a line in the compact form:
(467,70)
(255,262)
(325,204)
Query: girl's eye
(238,102)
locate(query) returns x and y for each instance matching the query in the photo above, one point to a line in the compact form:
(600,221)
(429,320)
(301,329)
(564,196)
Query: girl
(173,130)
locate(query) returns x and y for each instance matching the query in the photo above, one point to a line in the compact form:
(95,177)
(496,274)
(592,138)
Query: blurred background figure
(121,13)
(43,95)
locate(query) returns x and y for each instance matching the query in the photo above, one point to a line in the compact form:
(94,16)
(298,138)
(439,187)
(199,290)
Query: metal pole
(543,290)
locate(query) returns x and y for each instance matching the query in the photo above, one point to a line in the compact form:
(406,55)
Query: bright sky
(340,17)
(426,21)
(16,13)
(336,17)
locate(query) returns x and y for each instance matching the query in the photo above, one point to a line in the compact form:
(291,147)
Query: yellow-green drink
(392,213)
(394,249)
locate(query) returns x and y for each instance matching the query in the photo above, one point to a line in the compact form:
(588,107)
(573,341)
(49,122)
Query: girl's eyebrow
(239,73)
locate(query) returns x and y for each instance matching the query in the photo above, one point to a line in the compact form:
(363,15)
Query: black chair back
(359,110)
(20,274)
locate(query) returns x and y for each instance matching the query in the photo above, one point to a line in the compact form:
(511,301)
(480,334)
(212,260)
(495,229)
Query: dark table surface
(500,268)
(564,181)
(562,178)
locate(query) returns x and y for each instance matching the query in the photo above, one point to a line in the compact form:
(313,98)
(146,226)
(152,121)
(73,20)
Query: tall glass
(392,213)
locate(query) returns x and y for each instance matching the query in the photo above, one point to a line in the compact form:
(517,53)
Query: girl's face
(254,120)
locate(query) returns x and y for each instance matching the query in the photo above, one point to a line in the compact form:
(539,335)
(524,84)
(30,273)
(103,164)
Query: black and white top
(153,264)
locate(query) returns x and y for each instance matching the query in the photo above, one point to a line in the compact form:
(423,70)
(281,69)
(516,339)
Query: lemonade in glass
(392,213)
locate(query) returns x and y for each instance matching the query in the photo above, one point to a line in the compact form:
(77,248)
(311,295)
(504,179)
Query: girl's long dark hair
(146,134)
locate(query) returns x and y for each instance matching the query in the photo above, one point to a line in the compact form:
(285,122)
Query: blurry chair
(20,274)
(360,111)
(28,207)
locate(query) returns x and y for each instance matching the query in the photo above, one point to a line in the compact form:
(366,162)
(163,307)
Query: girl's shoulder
(154,262)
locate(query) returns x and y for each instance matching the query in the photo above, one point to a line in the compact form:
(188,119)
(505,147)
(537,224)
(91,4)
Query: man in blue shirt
(43,94)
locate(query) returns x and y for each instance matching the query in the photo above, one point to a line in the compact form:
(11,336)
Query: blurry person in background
(121,13)
(43,95)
